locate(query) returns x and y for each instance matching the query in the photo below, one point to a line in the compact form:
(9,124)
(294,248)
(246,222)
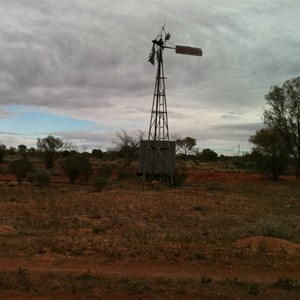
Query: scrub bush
(41,178)
(77,165)
(99,183)
(20,168)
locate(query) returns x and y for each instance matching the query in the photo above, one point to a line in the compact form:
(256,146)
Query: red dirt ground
(284,254)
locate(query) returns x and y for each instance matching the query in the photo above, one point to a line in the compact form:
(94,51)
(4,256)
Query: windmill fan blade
(151,58)
(188,50)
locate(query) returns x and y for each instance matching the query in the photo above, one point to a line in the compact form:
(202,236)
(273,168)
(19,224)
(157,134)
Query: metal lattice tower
(158,152)
(159,129)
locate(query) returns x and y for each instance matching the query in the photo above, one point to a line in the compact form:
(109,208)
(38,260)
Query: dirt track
(145,270)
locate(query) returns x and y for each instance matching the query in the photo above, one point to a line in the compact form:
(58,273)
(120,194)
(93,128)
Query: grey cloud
(230,116)
(79,56)
(230,132)
(92,139)
(224,132)
(251,127)
(54,61)
(177,116)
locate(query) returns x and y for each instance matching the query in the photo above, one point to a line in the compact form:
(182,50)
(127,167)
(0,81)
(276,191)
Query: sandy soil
(202,241)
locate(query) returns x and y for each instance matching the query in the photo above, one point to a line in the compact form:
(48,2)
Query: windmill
(157,153)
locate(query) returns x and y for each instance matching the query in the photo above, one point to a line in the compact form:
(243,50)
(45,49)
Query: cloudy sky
(78,69)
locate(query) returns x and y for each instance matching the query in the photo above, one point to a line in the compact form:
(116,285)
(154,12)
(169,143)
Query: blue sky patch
(37,123)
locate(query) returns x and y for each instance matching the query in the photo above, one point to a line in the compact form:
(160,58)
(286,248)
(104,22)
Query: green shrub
(285,283)
(86,276)
(4,281)
(105,170)
(214,185)
(250,287)
(124,173)
(180,176)
(23,279)
(20,168)
(41,177)
(239,163)
(206,279)
(2,152)
(77,165)
(272,228)
(99,183)
(179,179)
(209,155)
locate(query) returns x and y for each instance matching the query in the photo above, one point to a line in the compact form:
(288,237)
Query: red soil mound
(268,244)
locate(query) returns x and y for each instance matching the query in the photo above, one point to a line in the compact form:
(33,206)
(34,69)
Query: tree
(22,149)
(196,154)
(11,151)
(128,146)
(2,152)
(97,153)
(49,146)
(31,151)
(69,146)
(270,153)
(209,155)
(283,115)
(186,145)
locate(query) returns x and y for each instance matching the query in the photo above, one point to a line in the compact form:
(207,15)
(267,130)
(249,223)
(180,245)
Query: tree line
(275,147)
(126,147)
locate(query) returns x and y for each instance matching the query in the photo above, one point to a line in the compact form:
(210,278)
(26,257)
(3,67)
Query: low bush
(23,279)
(180,176)
(105,170)
(99,183)
(20,168)
(272,228)
(4,280)
(179,179)
(124,173)
(285,283)
(41,178)
(77,165)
